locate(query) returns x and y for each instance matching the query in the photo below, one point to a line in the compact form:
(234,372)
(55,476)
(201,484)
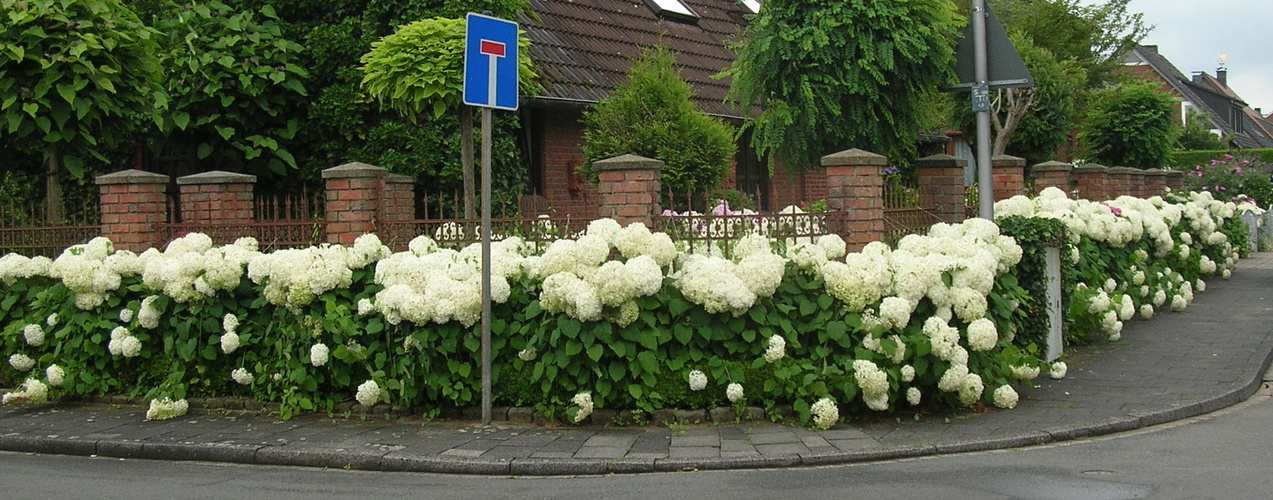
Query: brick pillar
(221,198)
(1155,182)
(358,197)
(133,205)
(1093,182)
(1175,180)
(1009,176)
(855,189)
(399,198)
(941,185)
(1052,174)
(1121,182)
(629,188)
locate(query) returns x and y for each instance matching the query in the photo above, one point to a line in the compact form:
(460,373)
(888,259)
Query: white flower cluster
(90,270)
(21,362)
(191,267)
(581,282)
(230,339)
(431,284)
(14,267)
(874,384)
(732,285)
(148,315)
(241,376)
(584,401)
(825,414)
(123,343)
(734,392)
(777,348)
(33,334)
(32,391)
(55,374)
(368,393)
(318,354)
(1005,397)
(698,380)
(166,408)
(293,277)
(1058,370)
(528,354)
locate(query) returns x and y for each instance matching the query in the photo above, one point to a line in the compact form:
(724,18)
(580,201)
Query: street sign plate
(980,98)
(490,62)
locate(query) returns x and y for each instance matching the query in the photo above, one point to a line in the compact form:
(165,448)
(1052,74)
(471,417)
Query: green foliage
(236,85)
(1186,160)
(1034,235)
(1197,134)
(1095,36)
(1234,178)
(830,75)
(1131,125)
(651,115)
(76,77)
(419,70)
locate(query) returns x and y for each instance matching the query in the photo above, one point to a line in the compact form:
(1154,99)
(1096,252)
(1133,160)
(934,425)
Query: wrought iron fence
(712,233)
(280,221)
(25,229)
(457,233)
(907,210)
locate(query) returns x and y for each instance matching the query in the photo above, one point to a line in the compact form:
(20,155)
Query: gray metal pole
(486,266)
(985,175)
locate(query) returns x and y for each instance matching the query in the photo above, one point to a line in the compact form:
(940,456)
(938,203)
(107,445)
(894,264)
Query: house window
(672,9)
(752,5)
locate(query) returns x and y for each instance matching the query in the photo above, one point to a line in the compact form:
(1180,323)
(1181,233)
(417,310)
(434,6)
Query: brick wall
(786,188)
(855,185)
(1053,174)
(133,205)
(1092,181)
(216,197)
(629,188)
(941,177)
(1008,176)
(568,193)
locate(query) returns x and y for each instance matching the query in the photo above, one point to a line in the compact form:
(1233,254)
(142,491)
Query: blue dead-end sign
(490,62)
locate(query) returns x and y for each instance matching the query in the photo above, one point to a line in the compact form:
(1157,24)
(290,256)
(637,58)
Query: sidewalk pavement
(1171,367)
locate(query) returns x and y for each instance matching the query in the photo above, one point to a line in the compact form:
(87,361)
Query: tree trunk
(53,190)
(466,158)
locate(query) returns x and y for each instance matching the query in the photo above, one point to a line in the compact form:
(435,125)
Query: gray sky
(1192,34)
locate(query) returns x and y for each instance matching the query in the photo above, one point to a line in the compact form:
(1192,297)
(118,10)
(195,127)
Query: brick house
(1231,118)
(583,50)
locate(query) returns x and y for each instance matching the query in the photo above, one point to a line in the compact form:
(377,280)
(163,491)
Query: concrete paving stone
(602,452)
(530,439)
(739,453)
(559,455)
(652,455)
(845,433)
(734,445)
(693,452)
(772,436)
(510,452)
(200,452)
(815,441)
(696,440)
(612,439)
(852,444)
(782,449)
(456,452)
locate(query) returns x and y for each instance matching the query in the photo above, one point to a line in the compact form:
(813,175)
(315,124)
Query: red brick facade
(787,189)
(855,185)
(629,189)
(1052,174)
(133,205)
(1009,176)
(359,195)
(217,197)
(941,177)
(568,192)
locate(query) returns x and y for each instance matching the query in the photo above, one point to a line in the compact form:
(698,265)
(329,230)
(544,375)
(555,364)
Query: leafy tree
(830,74)
(77,76)
(1131,125)
(235,85)
(651,115)
(419,70)
(1030,122)
(1096,37)
(1197,136)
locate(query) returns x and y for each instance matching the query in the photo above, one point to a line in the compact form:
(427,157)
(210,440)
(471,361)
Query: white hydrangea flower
(1099,303)
(318,354)
(908,373)
(229,342)
(368,393)
(1160,298)
(1025,372)
(1178,303)
(1226,274)
(971,390)
(1058,370)
(734,392)
(125,315)
(230,323)
(874,384)
(365,307)
(1126,307)
(698,380)
(51,321)
(148,315)
(982,335)
(1005,397)
(584,401)
(241,376)
(130,347)
(21,362)
(32,391)
(1200,285)
(528,354)
(825,414)
(33,334)
(55,375)
(913,396)
(166,408)
(777,348)
(953,378)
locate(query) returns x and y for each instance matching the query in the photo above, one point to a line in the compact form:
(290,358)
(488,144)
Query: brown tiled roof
(583,48)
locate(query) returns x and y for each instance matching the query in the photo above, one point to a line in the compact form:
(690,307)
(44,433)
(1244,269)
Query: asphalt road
(1228,454)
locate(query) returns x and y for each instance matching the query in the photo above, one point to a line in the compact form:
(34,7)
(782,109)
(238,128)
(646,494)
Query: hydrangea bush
(618,317)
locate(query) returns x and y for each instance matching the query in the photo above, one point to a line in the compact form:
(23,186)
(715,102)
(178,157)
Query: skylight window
(673,8)
(752,5)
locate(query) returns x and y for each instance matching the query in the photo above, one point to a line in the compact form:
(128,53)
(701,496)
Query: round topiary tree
(651,115)
(1131,125)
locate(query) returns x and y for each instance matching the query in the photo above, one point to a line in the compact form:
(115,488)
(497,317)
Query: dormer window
(672,9)
(752,5)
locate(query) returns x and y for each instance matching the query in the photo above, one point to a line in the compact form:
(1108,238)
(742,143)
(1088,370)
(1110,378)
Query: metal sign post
(985,176)
(490,81)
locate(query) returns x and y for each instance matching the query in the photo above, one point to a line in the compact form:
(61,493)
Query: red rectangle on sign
(492,48)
